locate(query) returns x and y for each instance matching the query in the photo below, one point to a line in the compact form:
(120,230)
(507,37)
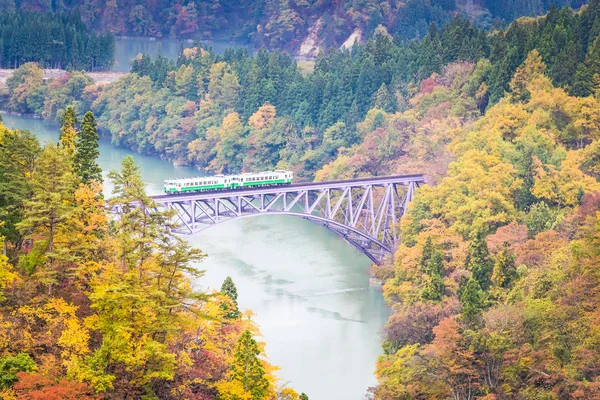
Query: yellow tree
(7,274)
(231,145)
(68,131)
(144,301)
(83,241)
(51,205)
(532,68)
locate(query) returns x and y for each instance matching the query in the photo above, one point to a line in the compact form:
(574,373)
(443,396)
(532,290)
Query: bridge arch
(369,246)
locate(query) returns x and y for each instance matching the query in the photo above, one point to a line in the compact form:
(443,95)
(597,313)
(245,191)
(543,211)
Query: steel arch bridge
(365,212)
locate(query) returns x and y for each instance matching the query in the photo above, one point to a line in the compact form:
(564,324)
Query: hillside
(285,23)
(239,112)
(494,289)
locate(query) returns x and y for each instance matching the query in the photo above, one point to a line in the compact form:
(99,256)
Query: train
(229,182)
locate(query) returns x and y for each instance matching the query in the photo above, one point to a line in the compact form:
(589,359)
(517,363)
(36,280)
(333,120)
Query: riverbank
(100,77)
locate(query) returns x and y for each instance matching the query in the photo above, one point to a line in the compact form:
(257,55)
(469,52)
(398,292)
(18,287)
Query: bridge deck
(397,179)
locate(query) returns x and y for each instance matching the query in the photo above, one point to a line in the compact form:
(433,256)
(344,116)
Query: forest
(238,112)
(95,305)
(59,40)
(284,23)
(494,290)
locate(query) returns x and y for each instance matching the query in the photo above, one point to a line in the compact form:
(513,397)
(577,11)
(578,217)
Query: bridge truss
(365,212)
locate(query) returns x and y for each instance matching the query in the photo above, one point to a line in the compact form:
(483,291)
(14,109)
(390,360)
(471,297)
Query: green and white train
(228,182)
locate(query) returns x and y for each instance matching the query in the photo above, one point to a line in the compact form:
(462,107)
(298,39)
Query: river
(127,48)
(309,289)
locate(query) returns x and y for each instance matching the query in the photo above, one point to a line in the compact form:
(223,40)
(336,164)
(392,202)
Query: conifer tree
(53,188)
(530,69)
(18,153)
(435,266)
(434,287)
(86,146)
(584,83)
(228,289)
(427,253)
(383,99)
(471,298)
(247,368)
(479,262)
(138,225)
(68,131)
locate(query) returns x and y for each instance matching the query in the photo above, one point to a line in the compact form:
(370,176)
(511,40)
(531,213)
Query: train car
(228,182)
(198,184)
(267,178)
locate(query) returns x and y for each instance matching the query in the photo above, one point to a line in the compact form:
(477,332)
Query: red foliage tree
(38,386)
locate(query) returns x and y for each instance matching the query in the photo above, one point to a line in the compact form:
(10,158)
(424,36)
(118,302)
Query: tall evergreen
(471,299)
(228,289)
(479,262)
(434,288)
(247,368)
(426,253)
(18,157)
(86,151)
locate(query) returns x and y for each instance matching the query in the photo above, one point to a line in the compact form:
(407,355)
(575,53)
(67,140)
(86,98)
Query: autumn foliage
(509,310)
(96,304)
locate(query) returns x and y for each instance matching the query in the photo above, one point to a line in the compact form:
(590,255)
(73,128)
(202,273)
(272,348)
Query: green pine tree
(87,153)
(18,156)
(228,289)
(471,298)
(583,82)
(434,288)
(247,368)
(427,252)
(435,266)
(479,262)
